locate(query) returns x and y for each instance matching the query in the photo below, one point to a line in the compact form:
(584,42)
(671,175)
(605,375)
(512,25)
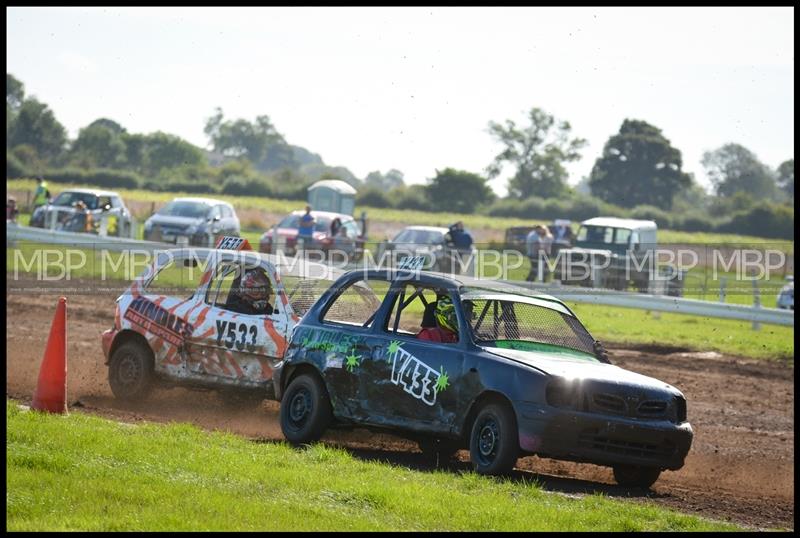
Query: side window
(178,278)
(358,303)
(622,236)
(215,212)
(103,201)
(226,285)
(116,201)
(415,311)
(350,229)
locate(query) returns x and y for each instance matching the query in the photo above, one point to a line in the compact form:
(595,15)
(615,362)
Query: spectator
(336,225)
(11,209)
(562,235)
(538,243)
(305,231)
(41,195)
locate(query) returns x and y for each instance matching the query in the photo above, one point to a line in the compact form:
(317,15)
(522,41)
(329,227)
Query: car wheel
(494,440)
(130,371)
(635,475)
(305,410)
(438,451)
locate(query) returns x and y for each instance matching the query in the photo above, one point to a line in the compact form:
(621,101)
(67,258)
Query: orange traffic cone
(51,390)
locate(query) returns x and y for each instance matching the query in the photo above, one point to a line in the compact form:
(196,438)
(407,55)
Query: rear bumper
(602,439)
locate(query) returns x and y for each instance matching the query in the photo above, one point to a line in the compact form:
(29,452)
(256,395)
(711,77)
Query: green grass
(410,217)
(79,472)
(625,325)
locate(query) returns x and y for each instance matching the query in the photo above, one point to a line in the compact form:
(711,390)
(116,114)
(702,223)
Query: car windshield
(178,208)
(603,234)
(68,199)
(322,224)
(419,237)
(523,326)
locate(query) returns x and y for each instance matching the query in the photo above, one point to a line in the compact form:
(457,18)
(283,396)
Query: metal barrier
(692,307)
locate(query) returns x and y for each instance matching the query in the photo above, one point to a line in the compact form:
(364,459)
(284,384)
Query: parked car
(349,239)
(100,204)
(428,241)
(786,295)
(192,221)
(524,377)
(182,323)
(604,252)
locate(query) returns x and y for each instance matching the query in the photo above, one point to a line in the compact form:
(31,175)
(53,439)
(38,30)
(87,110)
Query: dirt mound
(740,467)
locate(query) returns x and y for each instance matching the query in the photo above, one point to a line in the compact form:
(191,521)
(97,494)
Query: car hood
(567,365)
(175,221)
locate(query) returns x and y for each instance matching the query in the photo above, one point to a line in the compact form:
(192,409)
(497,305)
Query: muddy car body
(525,377)
(173,326)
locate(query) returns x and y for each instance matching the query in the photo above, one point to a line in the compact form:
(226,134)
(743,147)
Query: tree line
(639,173)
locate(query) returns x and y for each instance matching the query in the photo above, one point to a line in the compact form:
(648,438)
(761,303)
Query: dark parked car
(192,221)
(524,377)
(348,239)
(430,242)
(100,204)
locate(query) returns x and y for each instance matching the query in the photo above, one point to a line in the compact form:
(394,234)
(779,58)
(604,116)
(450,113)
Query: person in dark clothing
(251,296)
(459,237)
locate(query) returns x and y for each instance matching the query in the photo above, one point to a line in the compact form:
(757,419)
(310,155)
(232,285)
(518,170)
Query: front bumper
(602,439)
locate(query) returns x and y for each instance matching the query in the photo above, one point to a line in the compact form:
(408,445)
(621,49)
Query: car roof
(426,229)
(329,214)
(207,201)
(92,191)
(614,222)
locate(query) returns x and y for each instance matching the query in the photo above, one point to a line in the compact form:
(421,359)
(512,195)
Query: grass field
(79,472)
(411,217)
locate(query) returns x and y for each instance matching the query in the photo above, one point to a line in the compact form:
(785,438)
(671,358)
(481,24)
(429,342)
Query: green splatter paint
(351,362)
(442,382)
(394,345)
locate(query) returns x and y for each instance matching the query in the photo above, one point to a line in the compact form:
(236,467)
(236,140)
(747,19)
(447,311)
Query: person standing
(533,244)
(546,239)
(41,195)
(305,231)
(11,209)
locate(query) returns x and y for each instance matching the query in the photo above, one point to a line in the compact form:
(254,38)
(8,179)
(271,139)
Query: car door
(414,381)
(229,348)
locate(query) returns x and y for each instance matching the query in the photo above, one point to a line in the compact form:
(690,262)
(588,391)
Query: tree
(36,125)
(164,151)
(115,127)
(638,166)
(392,179)
(15,92)
(538,152)
(458,191)
(786,177)
(99,145)
(733,168)
(259,142)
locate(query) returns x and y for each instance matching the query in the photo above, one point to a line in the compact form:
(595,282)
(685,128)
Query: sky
(414,88)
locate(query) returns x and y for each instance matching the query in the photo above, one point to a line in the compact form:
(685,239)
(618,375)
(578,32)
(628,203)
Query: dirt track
(740,467)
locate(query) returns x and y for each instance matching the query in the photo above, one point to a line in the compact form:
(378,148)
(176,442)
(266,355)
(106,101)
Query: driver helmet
(446,314)
(255,288)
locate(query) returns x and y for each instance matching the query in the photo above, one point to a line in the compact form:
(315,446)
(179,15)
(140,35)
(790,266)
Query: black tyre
(130,371)
(636,476)
(494,440)
(438,451)
(305,410)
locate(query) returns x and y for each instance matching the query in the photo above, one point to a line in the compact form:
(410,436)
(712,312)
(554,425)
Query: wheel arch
(484,398)
(125,336)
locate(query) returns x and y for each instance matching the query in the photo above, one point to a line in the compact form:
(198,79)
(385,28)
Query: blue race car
(460,363)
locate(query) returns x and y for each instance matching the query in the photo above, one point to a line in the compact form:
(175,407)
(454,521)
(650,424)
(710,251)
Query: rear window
(68,199)
(184,209)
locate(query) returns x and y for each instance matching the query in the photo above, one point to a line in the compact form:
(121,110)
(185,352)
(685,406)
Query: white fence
(692,307)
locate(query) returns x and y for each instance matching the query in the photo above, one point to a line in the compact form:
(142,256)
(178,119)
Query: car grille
(617,405)
(592,440)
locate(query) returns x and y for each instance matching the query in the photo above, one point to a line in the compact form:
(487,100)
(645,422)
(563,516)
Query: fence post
(722,282)
(756,303)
